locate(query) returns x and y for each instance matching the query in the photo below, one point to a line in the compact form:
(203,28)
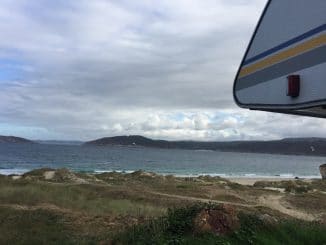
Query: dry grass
(93,207)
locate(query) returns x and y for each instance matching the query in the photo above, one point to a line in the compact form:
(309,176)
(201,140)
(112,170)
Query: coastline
(246,179)
(251,181)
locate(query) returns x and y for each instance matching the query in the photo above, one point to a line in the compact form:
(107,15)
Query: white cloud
(164,69)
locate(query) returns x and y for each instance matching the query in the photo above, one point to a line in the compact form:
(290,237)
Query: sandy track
(198,199)
(44,206)
(271,201)
(274,202)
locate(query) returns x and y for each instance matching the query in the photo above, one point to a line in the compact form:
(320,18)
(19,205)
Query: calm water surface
(19,158)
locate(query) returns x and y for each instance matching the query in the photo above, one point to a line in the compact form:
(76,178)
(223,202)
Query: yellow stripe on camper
(299,49)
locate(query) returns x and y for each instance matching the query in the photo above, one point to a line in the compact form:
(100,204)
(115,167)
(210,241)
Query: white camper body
(289,41)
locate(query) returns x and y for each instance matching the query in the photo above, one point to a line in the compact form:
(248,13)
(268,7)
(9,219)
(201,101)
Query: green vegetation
(315,202)
(93,199)
(38,227)
(294,186)
(169,229)
(48,206)
(46,227)
(42,226)
(177,227)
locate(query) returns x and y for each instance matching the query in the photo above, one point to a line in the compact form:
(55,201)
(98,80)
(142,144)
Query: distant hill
(60,142)
(14,139)
(292,146)
(129,141)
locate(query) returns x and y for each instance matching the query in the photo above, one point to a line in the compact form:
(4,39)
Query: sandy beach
(251,181)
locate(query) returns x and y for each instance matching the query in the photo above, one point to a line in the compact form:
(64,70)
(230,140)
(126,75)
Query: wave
(251,175)
(16,171)
(20,171)
(110,171)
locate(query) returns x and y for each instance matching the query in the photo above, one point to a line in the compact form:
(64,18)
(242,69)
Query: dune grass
(36,227)
(177,228)
(60,211)
(92,199)
(294,186)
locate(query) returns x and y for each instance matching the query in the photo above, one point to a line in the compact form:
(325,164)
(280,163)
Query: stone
(48,175)
(322,169)
(268,219)
(16,177)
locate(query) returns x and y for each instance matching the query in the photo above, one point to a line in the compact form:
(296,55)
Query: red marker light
(293,86)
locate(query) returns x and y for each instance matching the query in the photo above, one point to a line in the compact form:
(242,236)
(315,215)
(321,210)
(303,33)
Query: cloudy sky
(164,69)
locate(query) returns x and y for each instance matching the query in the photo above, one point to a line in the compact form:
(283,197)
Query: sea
(20,158)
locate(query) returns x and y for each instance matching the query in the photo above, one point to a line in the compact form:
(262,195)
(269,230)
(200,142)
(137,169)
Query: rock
(48,175)
(322,169)
(16,177)
(268,219)
(220,220)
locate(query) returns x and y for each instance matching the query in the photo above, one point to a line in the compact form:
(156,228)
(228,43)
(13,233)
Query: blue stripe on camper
(286,44)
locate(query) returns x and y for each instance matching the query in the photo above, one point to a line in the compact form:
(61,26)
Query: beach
(251,181)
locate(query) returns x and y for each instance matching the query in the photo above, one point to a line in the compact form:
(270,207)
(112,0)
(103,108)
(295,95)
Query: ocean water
(19,158)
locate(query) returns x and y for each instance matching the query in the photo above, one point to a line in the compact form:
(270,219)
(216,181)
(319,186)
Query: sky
(80,70)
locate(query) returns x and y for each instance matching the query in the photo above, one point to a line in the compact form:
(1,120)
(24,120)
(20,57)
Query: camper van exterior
(284,68)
